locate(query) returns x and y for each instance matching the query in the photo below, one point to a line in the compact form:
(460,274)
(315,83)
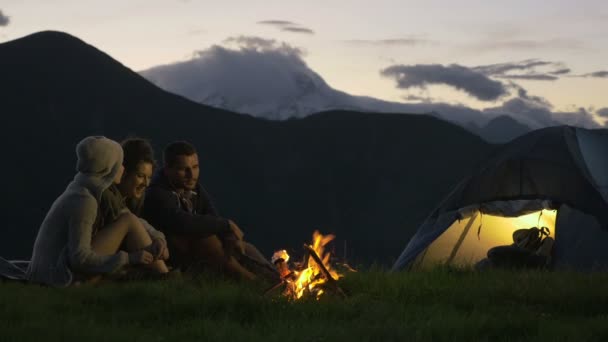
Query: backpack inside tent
(555,177)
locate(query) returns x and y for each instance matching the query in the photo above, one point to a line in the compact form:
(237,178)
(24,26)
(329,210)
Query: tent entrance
(467,241)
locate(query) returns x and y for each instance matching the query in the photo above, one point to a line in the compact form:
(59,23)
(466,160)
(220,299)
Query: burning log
(330,280)
(280,259)
(319,262)
(310,277)
(274,287)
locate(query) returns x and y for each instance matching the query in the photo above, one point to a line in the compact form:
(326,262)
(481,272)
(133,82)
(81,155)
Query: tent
(555,177)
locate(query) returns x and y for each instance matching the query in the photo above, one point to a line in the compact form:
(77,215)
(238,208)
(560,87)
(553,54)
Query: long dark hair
(137,150)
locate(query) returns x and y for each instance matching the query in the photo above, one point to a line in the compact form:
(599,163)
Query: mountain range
(370,178)
(272,81)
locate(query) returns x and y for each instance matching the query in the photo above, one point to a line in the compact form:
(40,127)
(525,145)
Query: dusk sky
(393,50)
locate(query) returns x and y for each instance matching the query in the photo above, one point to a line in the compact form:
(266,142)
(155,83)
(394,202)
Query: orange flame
(312,277)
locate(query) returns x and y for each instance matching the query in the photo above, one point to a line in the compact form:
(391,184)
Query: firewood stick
(273,287)
(319,262)
(305,260)
(330,280)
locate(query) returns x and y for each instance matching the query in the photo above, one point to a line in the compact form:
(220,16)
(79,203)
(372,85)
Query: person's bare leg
(138,238)
(252,252)
(211,251)
(129,229)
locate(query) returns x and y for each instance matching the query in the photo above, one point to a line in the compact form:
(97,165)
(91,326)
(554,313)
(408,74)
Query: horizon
(477,55)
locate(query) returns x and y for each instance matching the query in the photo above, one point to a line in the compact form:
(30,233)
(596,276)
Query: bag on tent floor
(531,249)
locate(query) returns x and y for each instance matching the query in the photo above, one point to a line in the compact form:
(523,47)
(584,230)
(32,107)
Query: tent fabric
(580,242)
(594,150)
(467,241)
(433,228)
(515,207)
(427,233)
(530,167)
(551,168)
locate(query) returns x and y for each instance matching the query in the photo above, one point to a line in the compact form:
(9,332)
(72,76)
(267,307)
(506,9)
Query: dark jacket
(165,210)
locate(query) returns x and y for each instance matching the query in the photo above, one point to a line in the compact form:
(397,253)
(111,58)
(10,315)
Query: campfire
(313,276)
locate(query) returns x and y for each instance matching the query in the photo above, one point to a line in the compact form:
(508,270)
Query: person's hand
(159,249)
(235,238)
(165,254)
(140,257)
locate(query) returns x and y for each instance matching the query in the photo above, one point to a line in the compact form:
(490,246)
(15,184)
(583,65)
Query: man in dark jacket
(177,204)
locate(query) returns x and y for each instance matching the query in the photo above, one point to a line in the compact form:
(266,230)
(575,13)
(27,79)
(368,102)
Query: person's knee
(127,218)
(133,223)
(214,248)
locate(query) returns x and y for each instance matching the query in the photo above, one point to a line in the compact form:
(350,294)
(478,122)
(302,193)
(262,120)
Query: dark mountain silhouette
(502,129)
(369,178)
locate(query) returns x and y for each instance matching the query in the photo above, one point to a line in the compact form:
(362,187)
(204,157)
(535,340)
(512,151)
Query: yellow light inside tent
(461,245)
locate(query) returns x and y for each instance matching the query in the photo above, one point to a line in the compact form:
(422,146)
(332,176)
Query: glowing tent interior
(554,177)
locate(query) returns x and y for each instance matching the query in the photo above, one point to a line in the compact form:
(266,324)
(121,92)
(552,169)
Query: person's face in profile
(134,183)
(183,174)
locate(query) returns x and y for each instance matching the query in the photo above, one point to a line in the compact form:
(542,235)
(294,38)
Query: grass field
(444,305)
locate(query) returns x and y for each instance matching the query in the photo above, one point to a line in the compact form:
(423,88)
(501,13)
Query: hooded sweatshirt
(63,244)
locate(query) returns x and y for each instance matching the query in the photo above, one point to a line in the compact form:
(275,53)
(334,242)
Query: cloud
(503,68)
(279,23)
(270,79)
(287,26)
(560,71)
(529,44)
(603,112)
(536,112)
(536,115)
(597,74)
(462,78)
(4,20)
(536,100)
(532,111)
(298,30)
(246,74)
(262,45)
(579,118)
(390,42)
(528,67)
(417,98)
(531,77)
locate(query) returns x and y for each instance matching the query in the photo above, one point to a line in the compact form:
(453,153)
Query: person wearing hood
(67,248)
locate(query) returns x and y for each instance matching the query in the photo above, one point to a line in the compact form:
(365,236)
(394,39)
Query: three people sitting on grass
(93,229)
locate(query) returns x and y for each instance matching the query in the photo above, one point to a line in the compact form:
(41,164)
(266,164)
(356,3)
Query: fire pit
(310,278)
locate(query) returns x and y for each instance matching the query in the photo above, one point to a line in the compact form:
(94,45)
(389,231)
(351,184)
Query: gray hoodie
(63,244)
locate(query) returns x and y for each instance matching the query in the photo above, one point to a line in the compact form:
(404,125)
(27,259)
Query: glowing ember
(313,274)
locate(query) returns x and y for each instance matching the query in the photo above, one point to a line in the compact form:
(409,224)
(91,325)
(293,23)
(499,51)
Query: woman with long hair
(127,195)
